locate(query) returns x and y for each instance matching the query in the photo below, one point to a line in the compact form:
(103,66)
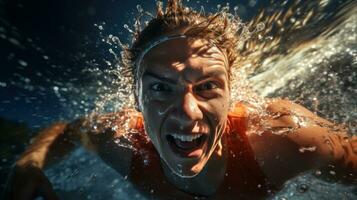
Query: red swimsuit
(243,174)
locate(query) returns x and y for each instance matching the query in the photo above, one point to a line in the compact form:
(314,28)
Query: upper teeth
(186,138)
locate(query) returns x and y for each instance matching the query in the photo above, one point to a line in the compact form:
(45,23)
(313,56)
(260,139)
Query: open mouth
(187,145)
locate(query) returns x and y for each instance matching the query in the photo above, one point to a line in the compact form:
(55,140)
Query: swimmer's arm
(49,146)
(97,134)
(27,179)
(56,141)
(309,143)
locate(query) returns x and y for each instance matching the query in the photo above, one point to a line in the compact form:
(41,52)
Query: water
(313,65)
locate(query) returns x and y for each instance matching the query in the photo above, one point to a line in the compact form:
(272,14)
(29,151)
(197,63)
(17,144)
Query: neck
(209,179)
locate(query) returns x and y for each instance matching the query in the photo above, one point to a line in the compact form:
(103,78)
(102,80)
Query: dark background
(45,44)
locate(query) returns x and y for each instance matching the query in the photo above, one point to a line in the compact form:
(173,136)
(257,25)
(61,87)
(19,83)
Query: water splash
(278,59)
(307,149)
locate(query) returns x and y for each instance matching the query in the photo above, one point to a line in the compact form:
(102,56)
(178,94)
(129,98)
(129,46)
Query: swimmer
(189,140)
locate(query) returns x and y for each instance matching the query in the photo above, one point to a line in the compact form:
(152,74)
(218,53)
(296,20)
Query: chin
(186,170)
(185,167)
(187,163)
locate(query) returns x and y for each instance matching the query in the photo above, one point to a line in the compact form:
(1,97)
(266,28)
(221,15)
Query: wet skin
(184,90)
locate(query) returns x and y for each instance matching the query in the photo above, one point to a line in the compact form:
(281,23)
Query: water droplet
(302,188)
(127,28)
(3,84)
(22,63)
(309,149)
(139,8)
(259,27)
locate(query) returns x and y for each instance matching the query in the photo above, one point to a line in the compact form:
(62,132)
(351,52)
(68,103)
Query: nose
(190,108)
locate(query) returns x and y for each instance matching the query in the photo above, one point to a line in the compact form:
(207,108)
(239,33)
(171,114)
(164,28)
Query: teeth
(186,138)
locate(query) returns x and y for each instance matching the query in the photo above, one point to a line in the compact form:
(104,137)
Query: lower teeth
(185,145)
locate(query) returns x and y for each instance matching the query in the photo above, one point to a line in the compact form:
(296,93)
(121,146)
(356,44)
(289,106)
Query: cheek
(219,108)
(153,112)
(152,124)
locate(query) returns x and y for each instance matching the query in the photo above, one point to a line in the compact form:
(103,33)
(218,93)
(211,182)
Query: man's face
(184,97)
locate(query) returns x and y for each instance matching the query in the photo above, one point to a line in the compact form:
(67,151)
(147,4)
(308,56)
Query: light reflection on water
(319,72)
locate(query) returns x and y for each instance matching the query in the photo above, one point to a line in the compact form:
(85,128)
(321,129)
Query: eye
(160,87)
(207,86)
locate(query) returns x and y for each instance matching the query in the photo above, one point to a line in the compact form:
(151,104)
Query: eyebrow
(173,81)
(215,73)
(157,76)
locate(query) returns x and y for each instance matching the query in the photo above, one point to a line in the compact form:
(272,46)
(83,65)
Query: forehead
(180,53)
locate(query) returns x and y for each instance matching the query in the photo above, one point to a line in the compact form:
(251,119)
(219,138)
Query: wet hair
(219,28)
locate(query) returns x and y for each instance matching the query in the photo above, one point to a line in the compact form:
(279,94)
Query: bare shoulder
(290,108)
(293,140)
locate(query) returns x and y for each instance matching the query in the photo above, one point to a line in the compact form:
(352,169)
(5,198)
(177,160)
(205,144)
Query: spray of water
(303,51)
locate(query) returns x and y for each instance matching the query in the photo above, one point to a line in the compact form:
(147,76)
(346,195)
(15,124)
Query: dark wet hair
(219,28)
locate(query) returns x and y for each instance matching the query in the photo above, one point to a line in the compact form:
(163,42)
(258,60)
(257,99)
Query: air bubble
(302,188)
